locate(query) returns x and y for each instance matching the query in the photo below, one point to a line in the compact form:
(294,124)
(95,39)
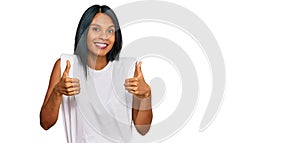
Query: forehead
(102,19)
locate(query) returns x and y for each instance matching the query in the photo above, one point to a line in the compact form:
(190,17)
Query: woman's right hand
(68,86)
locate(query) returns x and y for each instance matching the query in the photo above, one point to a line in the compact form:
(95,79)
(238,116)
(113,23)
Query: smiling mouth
(101,45)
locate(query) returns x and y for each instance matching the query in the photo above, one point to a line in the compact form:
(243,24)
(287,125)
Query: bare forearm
(142,116)
(49,111)
(142,108)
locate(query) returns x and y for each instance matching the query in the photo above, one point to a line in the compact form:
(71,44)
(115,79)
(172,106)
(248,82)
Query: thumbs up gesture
(68,86)
(137,84)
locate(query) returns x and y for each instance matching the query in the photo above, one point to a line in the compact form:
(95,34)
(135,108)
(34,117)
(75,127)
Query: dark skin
(142,109)
(57,87)
(65,86)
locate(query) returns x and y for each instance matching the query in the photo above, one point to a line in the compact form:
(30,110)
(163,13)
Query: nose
(103,36)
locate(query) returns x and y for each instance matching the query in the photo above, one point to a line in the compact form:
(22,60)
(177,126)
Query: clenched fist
(68,86)
(137,85)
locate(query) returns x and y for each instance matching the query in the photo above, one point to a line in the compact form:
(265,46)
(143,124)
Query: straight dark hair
(80,47)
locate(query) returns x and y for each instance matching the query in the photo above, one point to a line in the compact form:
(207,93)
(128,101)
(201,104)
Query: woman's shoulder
(70,57)
(57,62)
(126,61)
(124,66)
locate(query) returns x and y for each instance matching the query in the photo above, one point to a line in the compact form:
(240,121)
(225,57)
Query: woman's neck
(96,62)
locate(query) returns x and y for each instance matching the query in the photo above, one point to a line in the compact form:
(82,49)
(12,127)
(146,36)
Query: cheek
(89,40)
(112,44)
(89,37)
(112,39)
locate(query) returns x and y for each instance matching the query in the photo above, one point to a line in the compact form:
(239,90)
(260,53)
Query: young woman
(85,85)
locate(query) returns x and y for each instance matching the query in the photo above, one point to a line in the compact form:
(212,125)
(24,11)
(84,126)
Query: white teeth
(101,44)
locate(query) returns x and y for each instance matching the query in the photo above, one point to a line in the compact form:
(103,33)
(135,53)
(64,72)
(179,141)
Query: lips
(101,45)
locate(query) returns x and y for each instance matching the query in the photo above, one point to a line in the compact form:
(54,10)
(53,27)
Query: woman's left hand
(137,84)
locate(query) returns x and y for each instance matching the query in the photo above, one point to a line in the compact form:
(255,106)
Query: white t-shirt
(102,111)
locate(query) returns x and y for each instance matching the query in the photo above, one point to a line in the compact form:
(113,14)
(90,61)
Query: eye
(110,31)
(96,29)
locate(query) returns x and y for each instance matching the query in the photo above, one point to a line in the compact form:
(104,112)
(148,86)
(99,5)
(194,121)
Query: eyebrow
(102,26)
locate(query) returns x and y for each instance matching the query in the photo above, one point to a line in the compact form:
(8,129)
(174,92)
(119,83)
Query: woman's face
(101,35)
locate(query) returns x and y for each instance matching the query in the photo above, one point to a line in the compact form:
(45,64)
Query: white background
(259,40)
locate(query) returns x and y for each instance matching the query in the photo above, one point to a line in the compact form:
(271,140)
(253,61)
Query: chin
(102,53)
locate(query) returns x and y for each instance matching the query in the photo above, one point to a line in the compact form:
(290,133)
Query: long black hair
(80,47)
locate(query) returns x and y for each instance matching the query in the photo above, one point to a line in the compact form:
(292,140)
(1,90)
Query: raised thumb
(67,70)
(138,69)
